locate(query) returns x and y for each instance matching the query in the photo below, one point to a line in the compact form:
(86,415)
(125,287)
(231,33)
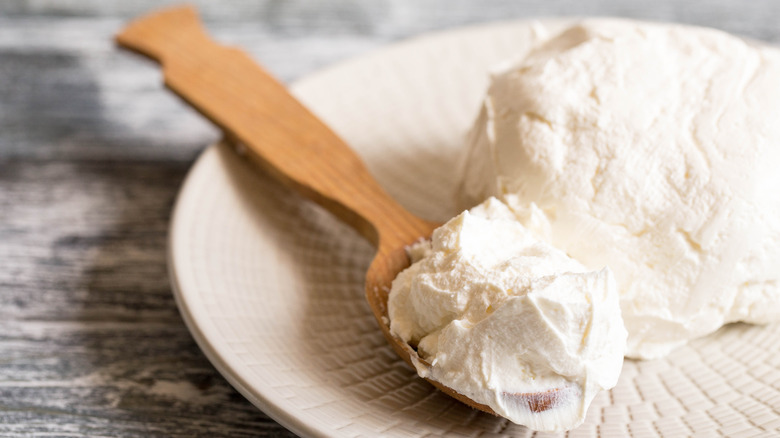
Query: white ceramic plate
(271,286)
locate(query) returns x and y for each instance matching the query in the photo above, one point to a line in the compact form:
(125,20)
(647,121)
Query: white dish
(271,286)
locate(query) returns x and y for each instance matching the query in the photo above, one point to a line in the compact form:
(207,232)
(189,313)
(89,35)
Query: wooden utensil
(285,139)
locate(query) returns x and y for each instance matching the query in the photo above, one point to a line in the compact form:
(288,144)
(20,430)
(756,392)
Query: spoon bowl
(282,137)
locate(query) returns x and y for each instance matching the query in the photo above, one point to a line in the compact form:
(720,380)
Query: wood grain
(91,341)
(92,151)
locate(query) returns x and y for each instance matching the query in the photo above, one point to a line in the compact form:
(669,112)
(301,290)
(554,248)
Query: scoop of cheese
(651,149)
(509,321)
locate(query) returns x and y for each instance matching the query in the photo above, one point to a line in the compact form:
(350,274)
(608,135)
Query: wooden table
(92,153)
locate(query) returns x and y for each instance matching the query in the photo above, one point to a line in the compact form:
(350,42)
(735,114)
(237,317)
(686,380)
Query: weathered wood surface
(92,152)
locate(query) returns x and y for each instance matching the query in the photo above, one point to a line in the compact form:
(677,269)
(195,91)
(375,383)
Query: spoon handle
(279,133)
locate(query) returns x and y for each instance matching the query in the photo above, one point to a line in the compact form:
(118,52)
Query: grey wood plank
(398,18)
(91,342)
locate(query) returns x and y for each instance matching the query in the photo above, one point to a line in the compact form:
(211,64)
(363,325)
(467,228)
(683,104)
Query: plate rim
(224,367)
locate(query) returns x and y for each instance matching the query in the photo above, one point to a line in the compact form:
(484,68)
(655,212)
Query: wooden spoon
(285,139)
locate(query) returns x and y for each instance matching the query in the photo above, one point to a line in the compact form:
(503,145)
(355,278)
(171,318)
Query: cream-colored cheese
(508,320)
(651,149)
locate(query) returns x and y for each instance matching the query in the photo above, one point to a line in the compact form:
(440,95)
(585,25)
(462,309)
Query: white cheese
(651,149)
(508,320)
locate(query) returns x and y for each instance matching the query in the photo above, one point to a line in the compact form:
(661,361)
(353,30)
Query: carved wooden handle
(281,135)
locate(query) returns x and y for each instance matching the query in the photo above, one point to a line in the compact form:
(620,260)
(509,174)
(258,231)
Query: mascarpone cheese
(508,320)
(651,149)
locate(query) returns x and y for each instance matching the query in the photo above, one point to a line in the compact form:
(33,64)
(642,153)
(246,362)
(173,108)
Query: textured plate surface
(272,286)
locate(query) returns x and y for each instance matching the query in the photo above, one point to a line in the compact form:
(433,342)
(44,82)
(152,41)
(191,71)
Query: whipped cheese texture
(508,320)
(651,149)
